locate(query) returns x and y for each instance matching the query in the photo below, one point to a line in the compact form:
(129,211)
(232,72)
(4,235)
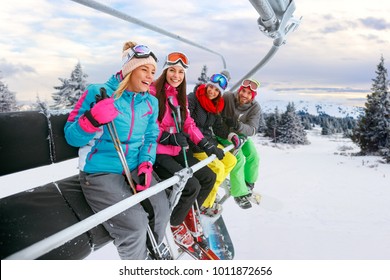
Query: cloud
(335,27)
(9,69)
(375,23)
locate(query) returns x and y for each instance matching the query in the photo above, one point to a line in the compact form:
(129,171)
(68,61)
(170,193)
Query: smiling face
(212,92)
(175,75)
(244,95)
(141,78)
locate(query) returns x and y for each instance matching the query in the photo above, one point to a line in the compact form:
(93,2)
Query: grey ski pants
(129,228)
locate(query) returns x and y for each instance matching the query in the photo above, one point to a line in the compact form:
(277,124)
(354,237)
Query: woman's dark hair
(162,97)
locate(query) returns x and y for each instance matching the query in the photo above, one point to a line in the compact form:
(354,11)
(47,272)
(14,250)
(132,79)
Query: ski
(195,251)
(210,253)
(178,251)
(198,236)
(255,198)
(204,246)
(218,237)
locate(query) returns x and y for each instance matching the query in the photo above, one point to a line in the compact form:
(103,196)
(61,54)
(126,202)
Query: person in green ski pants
(241,117)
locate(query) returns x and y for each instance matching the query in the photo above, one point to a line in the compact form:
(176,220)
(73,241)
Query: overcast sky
(333,53)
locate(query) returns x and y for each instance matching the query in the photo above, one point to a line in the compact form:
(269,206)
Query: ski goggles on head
(220,79)
(175,57)
(139,51)
(253,84)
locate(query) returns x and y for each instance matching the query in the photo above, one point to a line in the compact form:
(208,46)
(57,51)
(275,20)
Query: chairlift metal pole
(276,21)
(105,9)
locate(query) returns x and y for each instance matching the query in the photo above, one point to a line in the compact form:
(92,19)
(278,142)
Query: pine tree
(372,133)
(327,128)
(40,105)
(305,120)
(203,76)
(273,122)
(262,125)
(7,99)
(71,89)
(291,130)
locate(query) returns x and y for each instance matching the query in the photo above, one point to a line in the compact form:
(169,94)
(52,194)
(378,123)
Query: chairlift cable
(108,10)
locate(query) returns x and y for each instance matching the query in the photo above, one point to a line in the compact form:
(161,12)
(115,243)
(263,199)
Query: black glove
(231,123)
(175,139)
(210,149)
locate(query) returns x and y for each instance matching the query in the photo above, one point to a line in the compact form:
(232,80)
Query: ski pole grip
(102,95)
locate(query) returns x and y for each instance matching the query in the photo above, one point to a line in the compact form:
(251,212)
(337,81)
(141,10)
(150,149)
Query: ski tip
(255,198)
(266,202)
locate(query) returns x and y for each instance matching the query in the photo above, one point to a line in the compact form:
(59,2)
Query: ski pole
(117,143)
(118,147)
(175,119)
(186,173)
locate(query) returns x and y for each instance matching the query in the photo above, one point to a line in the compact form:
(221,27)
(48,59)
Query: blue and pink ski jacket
(136,125)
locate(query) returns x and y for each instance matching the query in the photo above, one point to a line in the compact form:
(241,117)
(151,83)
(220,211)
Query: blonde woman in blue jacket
(134,113)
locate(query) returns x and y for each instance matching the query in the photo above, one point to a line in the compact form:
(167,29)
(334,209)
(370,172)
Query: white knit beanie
(135,62)
(221,90)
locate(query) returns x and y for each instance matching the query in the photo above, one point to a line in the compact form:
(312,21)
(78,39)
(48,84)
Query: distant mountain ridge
(314,108)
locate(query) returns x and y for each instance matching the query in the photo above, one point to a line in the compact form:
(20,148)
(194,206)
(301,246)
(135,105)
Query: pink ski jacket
(168,123)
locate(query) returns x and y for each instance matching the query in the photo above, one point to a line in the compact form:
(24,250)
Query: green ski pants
(246,169)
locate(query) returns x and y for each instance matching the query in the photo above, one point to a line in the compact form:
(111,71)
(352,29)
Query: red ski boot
(196,230)
(182,235)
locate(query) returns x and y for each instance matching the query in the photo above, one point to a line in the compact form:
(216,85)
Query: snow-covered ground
(335,206)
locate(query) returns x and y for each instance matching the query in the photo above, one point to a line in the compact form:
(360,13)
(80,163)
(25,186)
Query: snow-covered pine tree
(306,122)
(61,96)
(372,133)
(327,128)
(203,78)
(262,125)
(291,130)
(7,98)
(40,105)
(273,122)
(71,89)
